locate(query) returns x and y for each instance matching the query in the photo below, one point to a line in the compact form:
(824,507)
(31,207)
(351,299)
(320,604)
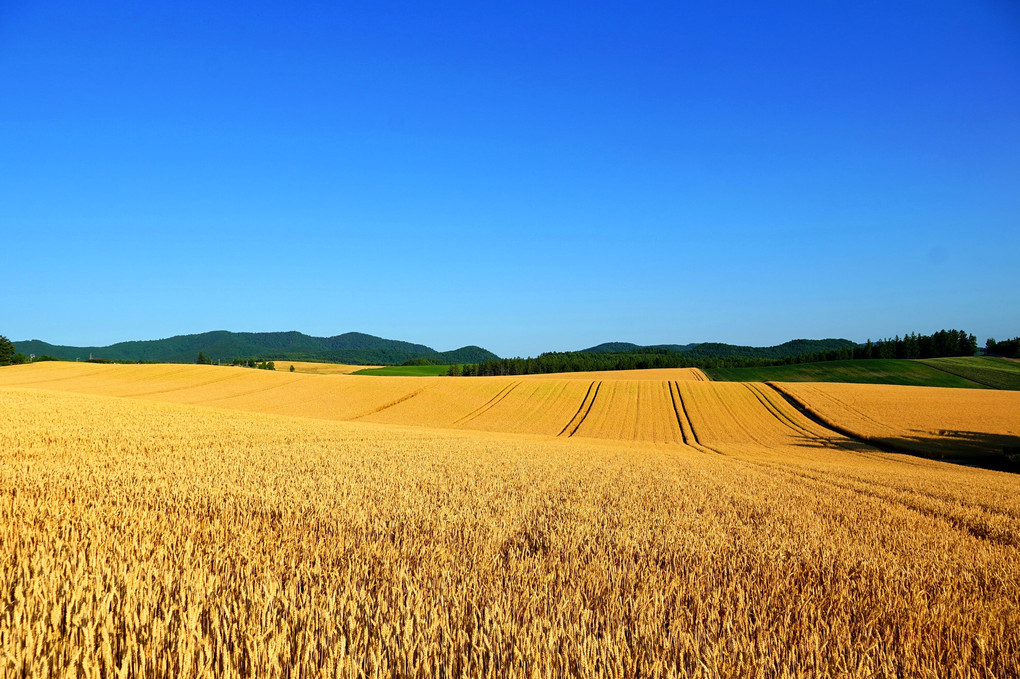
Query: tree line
(937,345)
(10,356)
(259,363)
(7,353)
(1009,348)
(942,344)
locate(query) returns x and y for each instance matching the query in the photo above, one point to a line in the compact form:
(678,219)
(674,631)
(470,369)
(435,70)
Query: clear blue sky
(523,176)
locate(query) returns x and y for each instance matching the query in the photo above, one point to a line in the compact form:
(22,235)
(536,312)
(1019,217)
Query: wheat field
(315,368)
(940,422)
(181,521)
(528,405)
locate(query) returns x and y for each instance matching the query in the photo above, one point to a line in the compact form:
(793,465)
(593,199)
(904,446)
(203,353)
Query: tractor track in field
(786,419)
(29,383)
(675,396)
(962,377)
(806,411)
(239,394)
(841,403)
(206,383)
(406,397)
(883,445)
(844,442)
(488,405)
(681,419)
(582,411)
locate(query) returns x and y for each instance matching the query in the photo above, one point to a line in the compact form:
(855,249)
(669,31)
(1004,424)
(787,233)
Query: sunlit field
(163,520)
(313,368)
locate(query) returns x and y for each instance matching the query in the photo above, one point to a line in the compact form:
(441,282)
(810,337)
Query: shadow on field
(971,448)
(974,449)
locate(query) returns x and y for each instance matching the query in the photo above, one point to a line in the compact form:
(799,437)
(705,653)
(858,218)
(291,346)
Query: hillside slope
(998,373)
(971,372)
(674,407)
(222,345)
(795,347)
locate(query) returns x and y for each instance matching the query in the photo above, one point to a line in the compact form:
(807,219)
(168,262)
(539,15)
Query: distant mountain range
(221,345)
(361,349)
(718,350)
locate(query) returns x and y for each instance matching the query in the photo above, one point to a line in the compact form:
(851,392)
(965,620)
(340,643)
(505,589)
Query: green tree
(292,368)
(6,351)
(203,359)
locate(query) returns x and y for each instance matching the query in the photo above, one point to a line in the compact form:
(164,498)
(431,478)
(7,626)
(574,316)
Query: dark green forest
(943,343)
(1007,348)
(359,348)
(8,354)
(795,347)
(222,346)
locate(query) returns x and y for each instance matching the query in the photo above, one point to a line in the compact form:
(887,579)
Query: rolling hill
(972,372)
(223,345)
(795,347)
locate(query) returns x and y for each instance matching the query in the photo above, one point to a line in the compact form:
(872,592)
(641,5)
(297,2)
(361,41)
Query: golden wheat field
(209,521)
(316,368)
(944,422)
(531,405)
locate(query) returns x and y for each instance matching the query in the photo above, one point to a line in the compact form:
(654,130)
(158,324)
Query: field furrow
(582,411)
(544,407)
(503,393)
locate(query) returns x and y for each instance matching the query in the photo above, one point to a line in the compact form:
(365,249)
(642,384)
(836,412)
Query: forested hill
(631,348)
(797,347)
(222,345)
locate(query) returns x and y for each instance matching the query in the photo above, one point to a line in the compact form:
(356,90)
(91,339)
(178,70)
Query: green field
(976,372)
(406,371)
(876,371)
(998,373)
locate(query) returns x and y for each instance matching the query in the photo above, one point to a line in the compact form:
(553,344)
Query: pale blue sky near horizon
(528,177)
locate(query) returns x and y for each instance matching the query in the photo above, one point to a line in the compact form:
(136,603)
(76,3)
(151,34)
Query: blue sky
(520,176)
